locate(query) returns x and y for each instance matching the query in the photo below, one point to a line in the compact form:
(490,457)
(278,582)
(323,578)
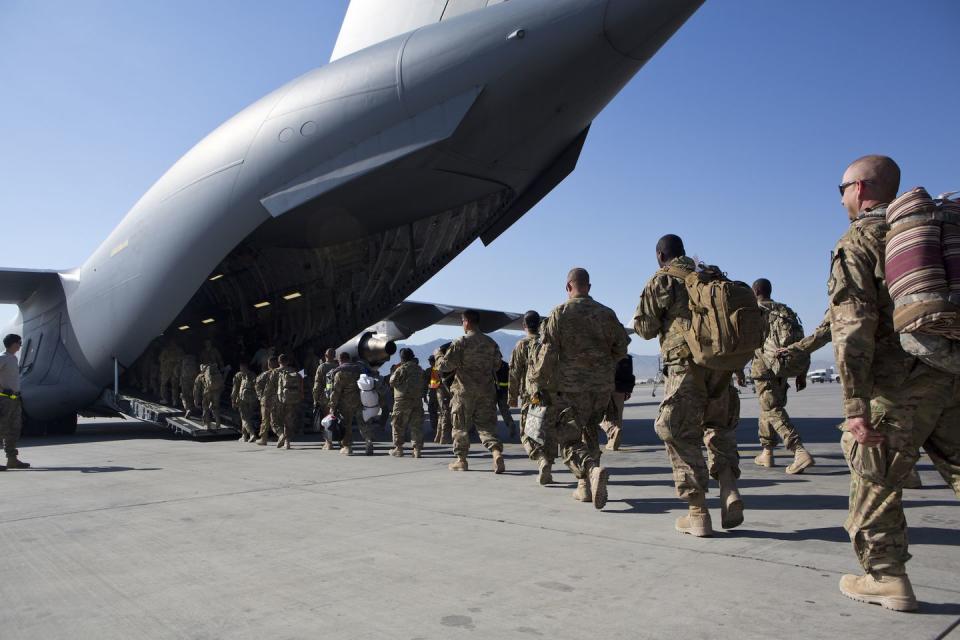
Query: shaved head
(578,276)
(762,288)
(669,247)
(880,172)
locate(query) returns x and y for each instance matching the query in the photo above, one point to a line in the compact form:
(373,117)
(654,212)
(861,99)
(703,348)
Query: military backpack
(290,387)
(726,323)
(785,322)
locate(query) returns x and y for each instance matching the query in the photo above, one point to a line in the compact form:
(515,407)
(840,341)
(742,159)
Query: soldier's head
(762,289)
(330,354)
(869,181)
(406,354)
(669,247)
(470,320)
(12,342)
(345,357)
(432,360)
(285,360)
(244,367)
(531,322)
(272,362)
(578,282)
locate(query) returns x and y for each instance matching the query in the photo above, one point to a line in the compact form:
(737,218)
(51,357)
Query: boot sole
(764,464)
(599,490)
(893,603)
(792,470)
(699,532)
(732,516)
(544,478)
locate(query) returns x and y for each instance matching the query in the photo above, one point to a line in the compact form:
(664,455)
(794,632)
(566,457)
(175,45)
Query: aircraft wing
(16,285)
(371,21)
(410,316)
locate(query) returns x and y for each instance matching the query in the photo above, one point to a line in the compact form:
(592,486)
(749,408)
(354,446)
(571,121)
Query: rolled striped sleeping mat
(922,264)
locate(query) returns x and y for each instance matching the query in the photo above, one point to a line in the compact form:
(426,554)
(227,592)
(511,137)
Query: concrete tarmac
(123,532)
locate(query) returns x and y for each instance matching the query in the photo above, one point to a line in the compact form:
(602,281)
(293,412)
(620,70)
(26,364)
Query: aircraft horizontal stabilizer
(17,285)
(408,136)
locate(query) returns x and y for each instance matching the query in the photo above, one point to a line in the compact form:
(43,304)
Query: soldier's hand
(801,383)
(626,396)
(863,432)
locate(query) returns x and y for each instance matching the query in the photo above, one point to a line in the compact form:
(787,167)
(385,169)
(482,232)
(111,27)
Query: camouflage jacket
(778,335)
(473,359)
(243,388)
(664,312)
(519,361)
(266,386)
(581,342)
(345,392)
(866,347)
(320,382)
(407,385)
(170,357)
(817,339)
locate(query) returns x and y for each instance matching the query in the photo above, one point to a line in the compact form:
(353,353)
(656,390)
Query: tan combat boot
(765,459)
(697,521)
(14,463)
(397,451)
(286,444)
(262,441)
(582,492)
(890,592)
(801,460)
(460,464)
(498,466)
(613,441)
(281,440)
(346,450)
(416,452)
(328,446)
(913,480)
(598,486)
(731,505)
(546,472)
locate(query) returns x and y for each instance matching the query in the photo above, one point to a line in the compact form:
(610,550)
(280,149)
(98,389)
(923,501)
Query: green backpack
(290,387)
(785,323)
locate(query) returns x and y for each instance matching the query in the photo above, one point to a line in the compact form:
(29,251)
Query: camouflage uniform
(170,358)
(207,389)
(820,337)
(518,395)
(907,401)
(572,372)
(289,404)
(321,398)
(696,408)
(210,355)
(473,359)
(774,423)
(407,384)
(345,401)
(445,418)
(187,371)
(266,387)
(433,403)
(243,397)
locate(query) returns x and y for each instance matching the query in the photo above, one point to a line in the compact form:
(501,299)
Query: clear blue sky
(734,136)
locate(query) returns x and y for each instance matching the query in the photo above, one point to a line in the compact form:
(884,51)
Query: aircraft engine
(373,348)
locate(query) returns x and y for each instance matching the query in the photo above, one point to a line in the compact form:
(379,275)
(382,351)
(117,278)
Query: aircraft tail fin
(17,285)
(371,21)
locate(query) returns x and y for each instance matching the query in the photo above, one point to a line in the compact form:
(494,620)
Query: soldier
(207,389)
(345,402)
(503,381)
(893,403)
(321,396)
(623,383)
(210,355)
(289,400)
(407,384)
(11,410)
(695,410)
(432,377)
(518,395)
(774,422)
(170,358)
(473,359)
(572,372)
(266,387)
(243,398)
(444,402)
(188,372)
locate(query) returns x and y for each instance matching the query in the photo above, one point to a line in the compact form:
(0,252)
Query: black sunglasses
(843,187)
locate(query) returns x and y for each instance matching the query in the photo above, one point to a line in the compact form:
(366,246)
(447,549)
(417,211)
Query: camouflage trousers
(11,422)
(923,411)
(699,408)
(211,406)
(445,419)
(347,415)
(535,450)
(433,408)
(267,411)
(169,380)
(613,416)
(186,397)
(407,419)
(774,421)
(291,419)
(504,407)
(479,412)
(577,419)
(248,417)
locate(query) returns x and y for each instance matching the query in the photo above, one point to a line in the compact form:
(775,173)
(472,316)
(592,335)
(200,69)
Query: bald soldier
(696,410)
(581,342)
(892,402)
(473,359)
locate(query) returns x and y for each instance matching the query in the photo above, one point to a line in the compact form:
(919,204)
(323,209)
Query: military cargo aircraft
(315,211)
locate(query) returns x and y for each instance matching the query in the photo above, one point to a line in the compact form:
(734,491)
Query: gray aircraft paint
(486,109)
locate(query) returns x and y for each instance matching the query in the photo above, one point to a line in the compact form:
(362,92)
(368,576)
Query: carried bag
(726,323)
(332,428)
